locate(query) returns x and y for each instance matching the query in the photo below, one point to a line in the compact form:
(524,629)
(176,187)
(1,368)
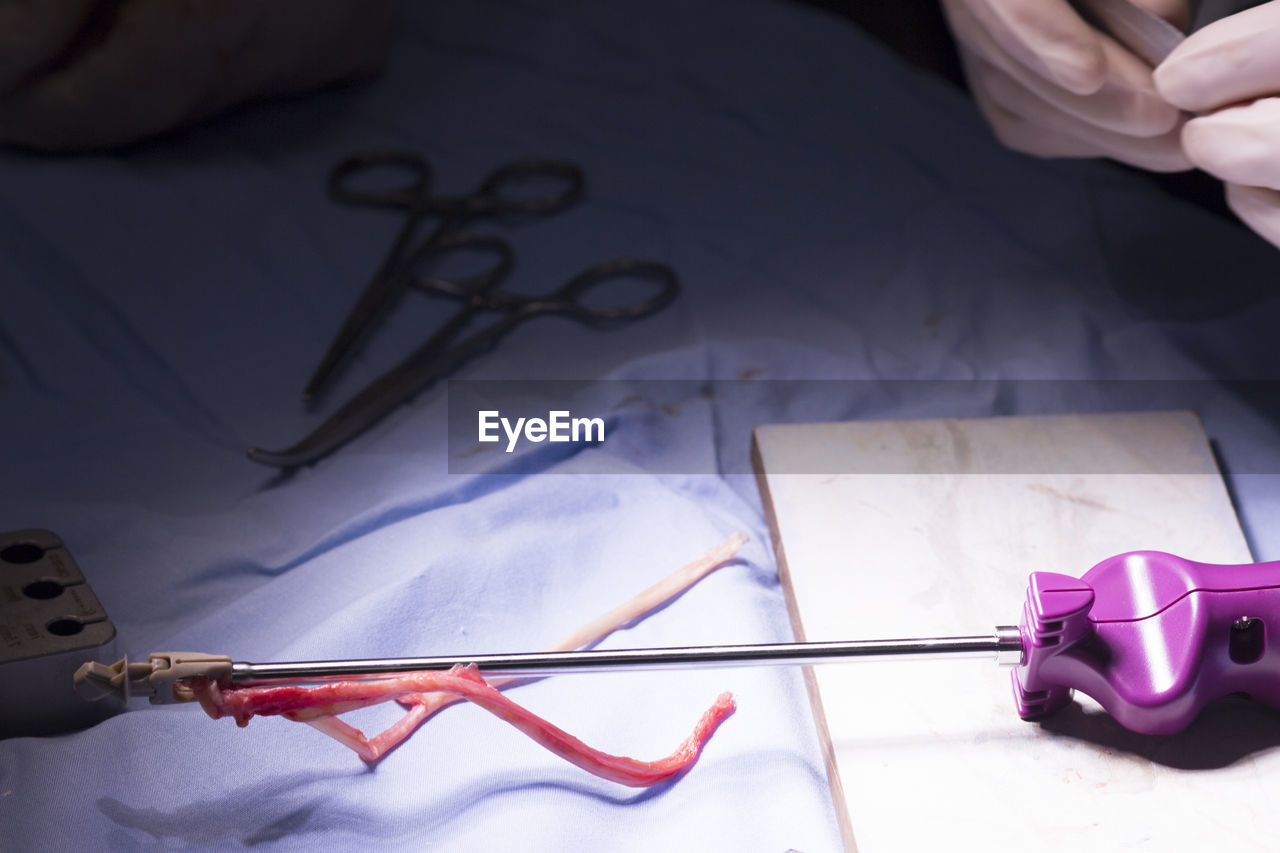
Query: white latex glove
(1053,86)
(93,73)
(1230,71)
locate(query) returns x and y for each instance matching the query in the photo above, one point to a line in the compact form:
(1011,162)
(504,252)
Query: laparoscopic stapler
(1151,636)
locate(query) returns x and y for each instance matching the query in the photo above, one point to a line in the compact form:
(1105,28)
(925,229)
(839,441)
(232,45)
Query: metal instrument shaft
(1003,645)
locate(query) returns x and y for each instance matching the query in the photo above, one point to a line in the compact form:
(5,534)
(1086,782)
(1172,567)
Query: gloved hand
(93,73)
(1053,86)
(1230,71)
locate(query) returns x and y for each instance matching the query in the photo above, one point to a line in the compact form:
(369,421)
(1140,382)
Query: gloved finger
(1158,153)
(1238,144)
(1017,133)
(1257,207)
(1046,36)
(1126,102)
(1236,58)
(35,35)
(1073,60)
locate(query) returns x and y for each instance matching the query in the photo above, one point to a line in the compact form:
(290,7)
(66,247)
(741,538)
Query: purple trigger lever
(1150,636)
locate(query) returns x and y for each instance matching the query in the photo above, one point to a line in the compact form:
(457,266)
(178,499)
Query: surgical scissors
(352,182)
(478,293)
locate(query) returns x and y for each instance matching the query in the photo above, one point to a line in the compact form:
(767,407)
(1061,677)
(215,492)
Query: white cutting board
(930,528)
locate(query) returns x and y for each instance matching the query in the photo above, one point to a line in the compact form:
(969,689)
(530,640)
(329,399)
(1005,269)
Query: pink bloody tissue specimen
(425,693)
(308,704)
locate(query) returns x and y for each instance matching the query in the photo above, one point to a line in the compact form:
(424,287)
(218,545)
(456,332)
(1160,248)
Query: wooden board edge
(810,679)
(1223,481)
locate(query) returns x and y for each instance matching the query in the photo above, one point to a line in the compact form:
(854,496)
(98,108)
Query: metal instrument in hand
(1150,636)
(353,181)
(502,195)
(478,294)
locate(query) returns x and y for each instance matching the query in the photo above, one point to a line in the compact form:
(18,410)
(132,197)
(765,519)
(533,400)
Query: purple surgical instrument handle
(1152,637)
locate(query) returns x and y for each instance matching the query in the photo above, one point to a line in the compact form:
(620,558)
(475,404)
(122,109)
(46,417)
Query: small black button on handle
(1247,641)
